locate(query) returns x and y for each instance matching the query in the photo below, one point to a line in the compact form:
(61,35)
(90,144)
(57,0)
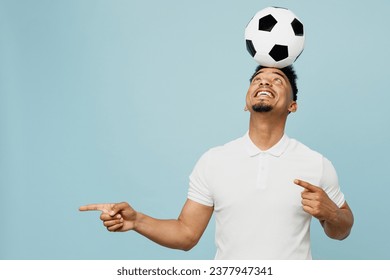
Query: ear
(293,107)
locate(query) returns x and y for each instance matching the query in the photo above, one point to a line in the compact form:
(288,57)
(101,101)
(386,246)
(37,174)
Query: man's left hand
(316,202)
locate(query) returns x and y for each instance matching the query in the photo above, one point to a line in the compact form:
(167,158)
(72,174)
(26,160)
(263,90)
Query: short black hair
(290,74)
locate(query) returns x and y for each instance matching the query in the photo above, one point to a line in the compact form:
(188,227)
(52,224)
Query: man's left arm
(336,221)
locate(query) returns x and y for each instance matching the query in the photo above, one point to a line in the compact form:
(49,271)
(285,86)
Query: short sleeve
(199,189)
(330,183)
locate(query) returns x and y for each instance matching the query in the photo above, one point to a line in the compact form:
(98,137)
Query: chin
(262,108)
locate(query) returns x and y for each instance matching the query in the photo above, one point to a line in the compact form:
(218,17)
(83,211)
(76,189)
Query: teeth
(263,93)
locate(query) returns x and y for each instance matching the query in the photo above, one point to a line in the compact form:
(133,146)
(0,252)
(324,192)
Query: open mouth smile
(264,93)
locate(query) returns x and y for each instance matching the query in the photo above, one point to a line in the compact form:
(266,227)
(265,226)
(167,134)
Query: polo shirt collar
(277,150)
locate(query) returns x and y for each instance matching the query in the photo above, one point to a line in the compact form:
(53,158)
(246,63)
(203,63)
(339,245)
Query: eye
(278,81)
(256,80)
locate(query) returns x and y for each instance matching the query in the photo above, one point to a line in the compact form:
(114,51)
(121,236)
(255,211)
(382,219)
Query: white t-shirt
(257,206)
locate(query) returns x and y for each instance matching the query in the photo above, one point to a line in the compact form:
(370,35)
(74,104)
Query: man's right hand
(115,216)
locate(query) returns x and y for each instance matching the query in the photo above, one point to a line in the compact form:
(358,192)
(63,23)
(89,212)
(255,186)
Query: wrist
(138,221)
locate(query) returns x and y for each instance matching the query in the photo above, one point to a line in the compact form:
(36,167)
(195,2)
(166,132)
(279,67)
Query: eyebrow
(273,72)
(280,74)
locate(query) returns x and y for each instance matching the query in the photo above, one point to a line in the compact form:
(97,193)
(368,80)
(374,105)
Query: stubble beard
(262,108)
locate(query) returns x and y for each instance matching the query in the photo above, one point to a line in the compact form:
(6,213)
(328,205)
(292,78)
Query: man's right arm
(181,233)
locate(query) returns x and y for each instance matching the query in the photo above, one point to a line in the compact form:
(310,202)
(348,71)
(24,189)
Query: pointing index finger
(105,208)
(305,185)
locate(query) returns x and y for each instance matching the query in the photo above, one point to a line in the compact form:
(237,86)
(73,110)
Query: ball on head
(275,37)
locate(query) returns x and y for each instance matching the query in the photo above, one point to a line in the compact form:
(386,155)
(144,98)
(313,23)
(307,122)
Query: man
(263,187)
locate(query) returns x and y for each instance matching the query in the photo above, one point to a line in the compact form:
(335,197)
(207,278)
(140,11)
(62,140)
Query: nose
(264,82)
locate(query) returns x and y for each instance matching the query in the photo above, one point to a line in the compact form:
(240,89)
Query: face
(270,90)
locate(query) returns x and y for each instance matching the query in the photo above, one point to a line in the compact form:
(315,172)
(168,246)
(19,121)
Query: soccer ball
(275,37)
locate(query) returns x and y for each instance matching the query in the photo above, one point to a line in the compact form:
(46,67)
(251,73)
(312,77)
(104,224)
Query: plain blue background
(108,101)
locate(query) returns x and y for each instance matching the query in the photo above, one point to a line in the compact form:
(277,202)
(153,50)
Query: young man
(263,188)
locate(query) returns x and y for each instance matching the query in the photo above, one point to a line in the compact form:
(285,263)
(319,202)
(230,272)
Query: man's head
(290,74)
(272,89)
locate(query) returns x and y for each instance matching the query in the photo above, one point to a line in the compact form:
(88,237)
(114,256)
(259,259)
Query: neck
(264,131)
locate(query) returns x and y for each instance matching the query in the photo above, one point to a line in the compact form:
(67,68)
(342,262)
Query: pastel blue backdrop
(108,101)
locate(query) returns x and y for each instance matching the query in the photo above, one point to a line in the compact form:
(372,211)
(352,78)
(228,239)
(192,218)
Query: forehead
(271,71)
